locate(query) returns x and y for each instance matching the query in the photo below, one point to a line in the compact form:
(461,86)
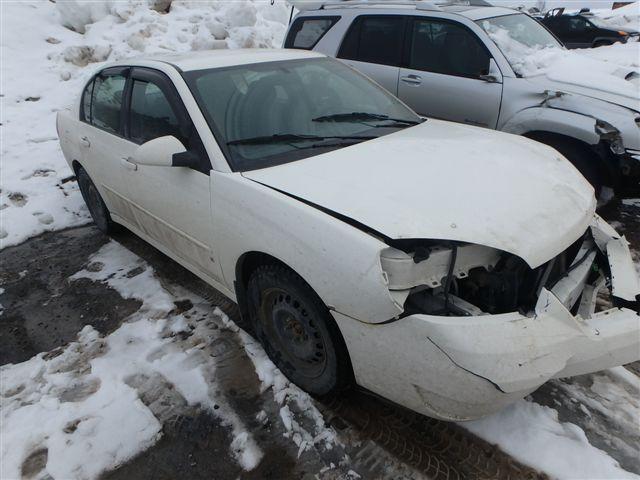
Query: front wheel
(297,331)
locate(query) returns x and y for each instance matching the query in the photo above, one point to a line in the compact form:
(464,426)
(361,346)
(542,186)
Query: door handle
(85,142)
(412,79)
(128,164)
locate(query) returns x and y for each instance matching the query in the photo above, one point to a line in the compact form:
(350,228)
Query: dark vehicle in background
(584,30)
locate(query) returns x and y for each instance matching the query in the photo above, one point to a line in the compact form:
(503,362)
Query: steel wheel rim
(290,327)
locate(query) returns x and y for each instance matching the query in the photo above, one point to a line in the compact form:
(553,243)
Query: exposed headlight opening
(611,135)
(457,279)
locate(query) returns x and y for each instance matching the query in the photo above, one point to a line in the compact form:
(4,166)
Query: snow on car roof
(473,12)
(224,58)
(479,13)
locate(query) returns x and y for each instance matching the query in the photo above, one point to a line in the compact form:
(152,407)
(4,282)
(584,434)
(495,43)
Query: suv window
(448,48)
(151,115)
(106,102)
(578,24)
(374,39)
(306,32)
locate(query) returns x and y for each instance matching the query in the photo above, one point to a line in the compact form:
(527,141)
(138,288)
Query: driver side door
(171,205)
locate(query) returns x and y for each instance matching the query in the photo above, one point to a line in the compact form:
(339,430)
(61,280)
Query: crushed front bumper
(460,368)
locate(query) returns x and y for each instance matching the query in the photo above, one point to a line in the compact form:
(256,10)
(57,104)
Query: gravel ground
(43,310)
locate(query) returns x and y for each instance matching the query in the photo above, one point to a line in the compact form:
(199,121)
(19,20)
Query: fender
(251,217)
(574,125)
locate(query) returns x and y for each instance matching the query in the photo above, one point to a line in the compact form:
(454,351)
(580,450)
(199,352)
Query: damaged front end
(454,278)
(481,329)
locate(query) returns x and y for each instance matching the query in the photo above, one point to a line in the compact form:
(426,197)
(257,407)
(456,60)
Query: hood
(593,78)
(448,181)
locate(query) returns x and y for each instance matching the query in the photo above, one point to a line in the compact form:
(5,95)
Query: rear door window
(106,103)
(374,39)
(306,32)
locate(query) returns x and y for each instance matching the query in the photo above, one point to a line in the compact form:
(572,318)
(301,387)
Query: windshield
(270,113)
(519,37)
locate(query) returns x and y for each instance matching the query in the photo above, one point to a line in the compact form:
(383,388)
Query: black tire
(581,156)
(297,331)
(95,204)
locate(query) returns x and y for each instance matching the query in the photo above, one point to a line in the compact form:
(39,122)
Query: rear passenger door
(101,138)
(171,205)
(446,73)
(373,46)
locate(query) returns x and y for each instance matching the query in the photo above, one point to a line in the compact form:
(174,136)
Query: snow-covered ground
(82,401)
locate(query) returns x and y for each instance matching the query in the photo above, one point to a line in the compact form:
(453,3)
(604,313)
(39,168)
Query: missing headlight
(477,280)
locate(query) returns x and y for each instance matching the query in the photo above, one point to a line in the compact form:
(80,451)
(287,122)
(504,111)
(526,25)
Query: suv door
(578,32)
(171,204)
(101,138)
(373,46)
(447,73)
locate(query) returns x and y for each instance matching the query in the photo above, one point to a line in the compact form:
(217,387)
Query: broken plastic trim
(472,280)
(611,135)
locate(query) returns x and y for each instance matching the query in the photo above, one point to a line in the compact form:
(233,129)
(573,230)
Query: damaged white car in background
(448,268)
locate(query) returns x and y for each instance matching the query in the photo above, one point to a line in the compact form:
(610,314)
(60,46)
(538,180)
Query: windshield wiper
(360,116)
(293,137)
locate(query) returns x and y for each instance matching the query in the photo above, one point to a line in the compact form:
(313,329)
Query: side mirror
(494,75)
(165,151)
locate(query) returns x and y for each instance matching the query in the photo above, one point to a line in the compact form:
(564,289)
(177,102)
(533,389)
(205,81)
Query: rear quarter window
(306,32)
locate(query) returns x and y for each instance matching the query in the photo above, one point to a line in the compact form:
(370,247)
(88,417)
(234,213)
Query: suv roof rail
(303,5)
(322,5)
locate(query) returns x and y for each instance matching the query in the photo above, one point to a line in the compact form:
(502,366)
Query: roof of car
(471,11)
(202,60)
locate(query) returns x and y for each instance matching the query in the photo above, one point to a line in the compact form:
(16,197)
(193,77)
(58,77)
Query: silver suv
(472,64)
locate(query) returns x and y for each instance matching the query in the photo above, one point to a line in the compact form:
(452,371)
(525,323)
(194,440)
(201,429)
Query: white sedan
(448,268)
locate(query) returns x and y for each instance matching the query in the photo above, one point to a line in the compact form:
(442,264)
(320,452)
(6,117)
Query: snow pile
(625,17)
(48,51)
(534,435)
(610,68)
(599,66)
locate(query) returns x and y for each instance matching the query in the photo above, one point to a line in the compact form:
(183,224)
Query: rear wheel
(297,330)
(95,204)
